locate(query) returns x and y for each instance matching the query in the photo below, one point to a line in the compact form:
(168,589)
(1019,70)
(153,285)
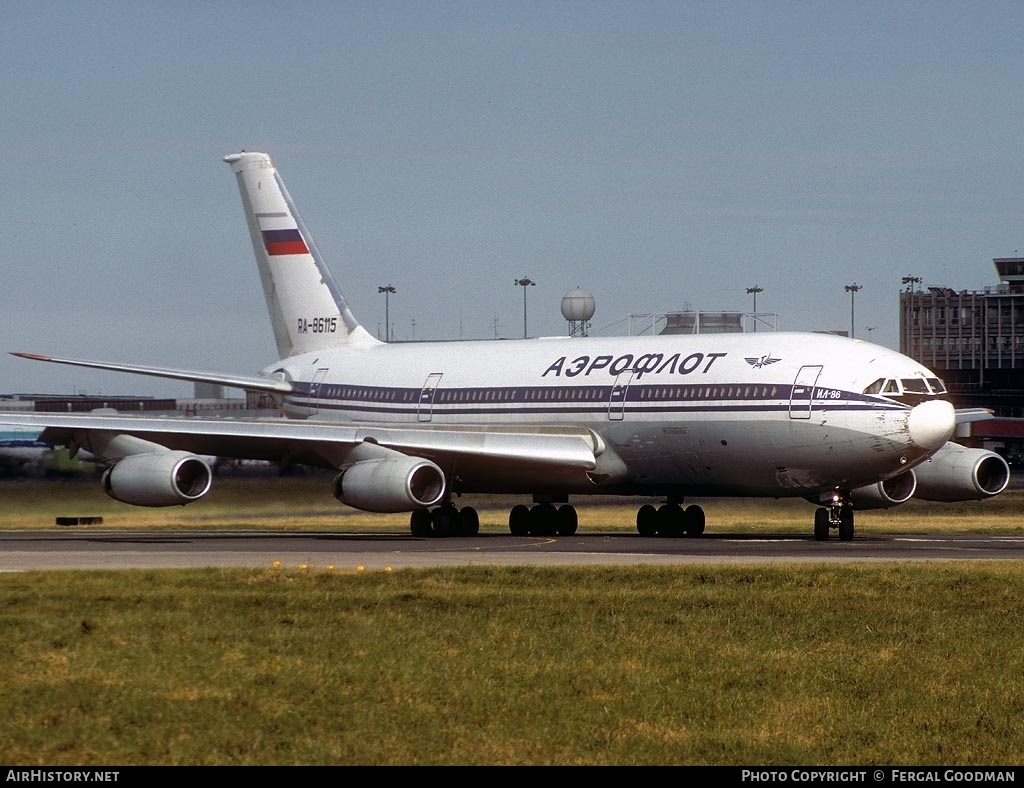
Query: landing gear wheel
(647,520)
(821,524)
(846,524)
(543,520)
(468,521)
(566,520)
(444,520)
(670,520)
(693,521)
(519,520)
(419,523)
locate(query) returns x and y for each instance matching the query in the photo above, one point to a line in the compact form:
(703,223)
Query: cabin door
(426,404)
(617,399)
(314,390)
(801,400)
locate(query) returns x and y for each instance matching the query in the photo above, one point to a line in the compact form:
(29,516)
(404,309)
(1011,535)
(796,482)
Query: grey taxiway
(85,548)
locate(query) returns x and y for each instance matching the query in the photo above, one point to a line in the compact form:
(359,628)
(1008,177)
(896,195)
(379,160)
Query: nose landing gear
(837,514)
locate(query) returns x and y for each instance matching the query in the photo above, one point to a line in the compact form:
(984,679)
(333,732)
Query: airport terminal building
(974,341)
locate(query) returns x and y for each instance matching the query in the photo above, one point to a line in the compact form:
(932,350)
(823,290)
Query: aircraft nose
(931,424)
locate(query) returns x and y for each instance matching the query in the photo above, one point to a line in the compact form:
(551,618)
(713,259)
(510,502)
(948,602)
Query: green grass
(740,665)
(828,665)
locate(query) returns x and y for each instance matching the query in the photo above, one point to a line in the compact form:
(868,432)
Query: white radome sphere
(578,305)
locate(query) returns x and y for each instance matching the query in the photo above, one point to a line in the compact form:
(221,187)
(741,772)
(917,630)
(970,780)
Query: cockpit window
(875,387)
(908,391)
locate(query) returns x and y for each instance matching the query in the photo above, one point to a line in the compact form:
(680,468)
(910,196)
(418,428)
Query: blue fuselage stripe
(582,400)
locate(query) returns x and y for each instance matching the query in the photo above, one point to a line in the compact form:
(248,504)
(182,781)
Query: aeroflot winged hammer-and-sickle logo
(762,361)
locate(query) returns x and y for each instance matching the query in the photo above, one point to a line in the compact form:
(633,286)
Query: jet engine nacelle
(166,478)
(393,484)
(957,473)
(885,494)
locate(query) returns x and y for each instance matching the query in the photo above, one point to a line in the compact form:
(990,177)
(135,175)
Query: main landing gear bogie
(445,520)
(543,519)
(670,519)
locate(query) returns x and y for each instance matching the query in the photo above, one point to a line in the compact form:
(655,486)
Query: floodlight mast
(852,290)
(755,290)
(387,290)
(524,283)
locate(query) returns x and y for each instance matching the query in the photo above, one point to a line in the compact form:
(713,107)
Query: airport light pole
(387,290)
(852,290)
(907,315)
(524,283)
(755,290)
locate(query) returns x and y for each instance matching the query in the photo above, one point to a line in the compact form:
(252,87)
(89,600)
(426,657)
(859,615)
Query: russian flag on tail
(284,242)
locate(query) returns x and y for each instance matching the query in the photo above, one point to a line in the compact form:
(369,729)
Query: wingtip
(33,356)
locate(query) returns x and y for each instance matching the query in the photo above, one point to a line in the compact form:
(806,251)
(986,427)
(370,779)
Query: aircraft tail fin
(307,310)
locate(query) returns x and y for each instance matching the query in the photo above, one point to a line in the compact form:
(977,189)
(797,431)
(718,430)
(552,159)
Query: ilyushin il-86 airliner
(410,427)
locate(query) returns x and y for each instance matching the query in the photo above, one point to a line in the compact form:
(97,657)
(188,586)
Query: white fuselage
(772,414)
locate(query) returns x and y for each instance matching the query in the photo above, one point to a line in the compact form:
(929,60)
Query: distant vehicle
(20,437)
(22,453)
(842,423)
(20,446)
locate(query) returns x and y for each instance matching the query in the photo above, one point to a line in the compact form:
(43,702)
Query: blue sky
(661,155)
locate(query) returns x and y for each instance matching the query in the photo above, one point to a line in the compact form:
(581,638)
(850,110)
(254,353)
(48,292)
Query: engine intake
(393,484)
(168,478)
(957,473)
(883,495)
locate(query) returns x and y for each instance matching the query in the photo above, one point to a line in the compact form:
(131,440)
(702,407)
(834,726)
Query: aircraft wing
(250,382)
(964,415)
(324,443)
